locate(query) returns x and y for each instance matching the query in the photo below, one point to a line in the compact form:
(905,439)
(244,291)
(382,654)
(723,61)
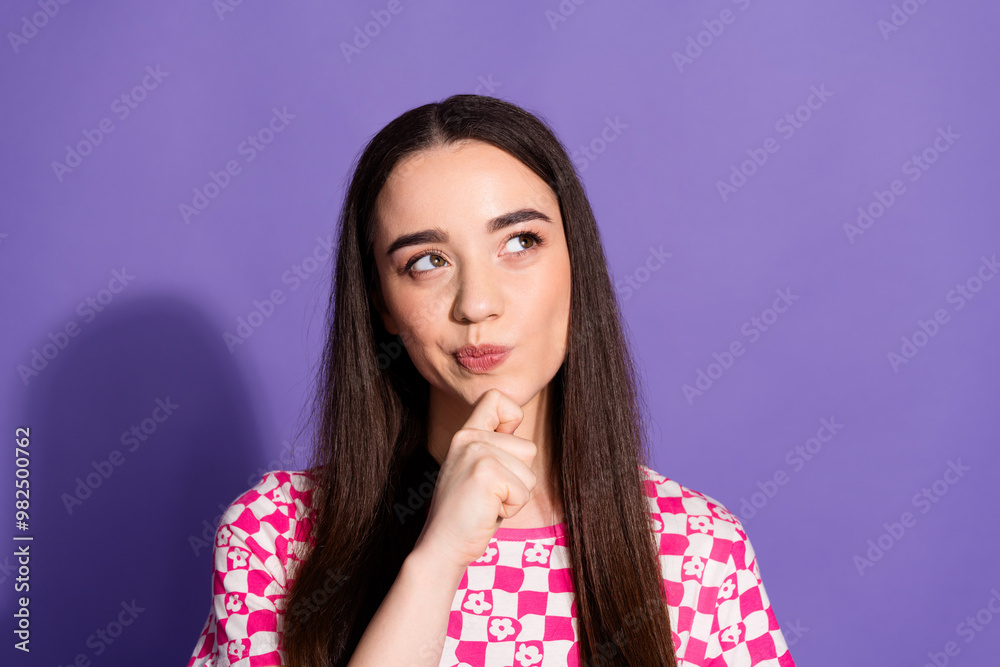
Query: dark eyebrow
(494,225)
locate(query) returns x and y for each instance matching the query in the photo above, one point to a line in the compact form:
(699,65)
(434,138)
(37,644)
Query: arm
(745,629)
(245,591)
(248,579)
(413,617)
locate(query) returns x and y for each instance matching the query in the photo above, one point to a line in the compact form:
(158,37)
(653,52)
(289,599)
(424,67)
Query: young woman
(478,493)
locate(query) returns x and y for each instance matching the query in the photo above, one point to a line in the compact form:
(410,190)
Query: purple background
(681,129)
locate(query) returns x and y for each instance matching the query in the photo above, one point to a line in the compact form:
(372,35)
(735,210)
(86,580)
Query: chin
(521,392)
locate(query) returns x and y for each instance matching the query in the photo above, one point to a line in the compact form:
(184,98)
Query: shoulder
(269,522)
(719,607)
(694,526)
(287,493)
(669,497)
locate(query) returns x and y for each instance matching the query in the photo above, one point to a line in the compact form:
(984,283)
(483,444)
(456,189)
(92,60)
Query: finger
(518,468)
(524,449)
(513,495)
(521,448)
(495,411)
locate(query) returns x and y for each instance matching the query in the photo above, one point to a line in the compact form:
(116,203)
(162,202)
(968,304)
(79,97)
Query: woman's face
(470,250)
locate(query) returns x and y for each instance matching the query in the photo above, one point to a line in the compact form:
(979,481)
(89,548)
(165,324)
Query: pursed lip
(480,350)
(481,358)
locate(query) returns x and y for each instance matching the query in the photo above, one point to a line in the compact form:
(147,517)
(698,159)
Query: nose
(479,295)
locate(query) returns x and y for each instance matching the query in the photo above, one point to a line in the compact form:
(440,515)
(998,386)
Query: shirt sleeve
(248,581)
(745,632)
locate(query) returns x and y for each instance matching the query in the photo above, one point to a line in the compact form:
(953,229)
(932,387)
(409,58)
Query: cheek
(548,315)
(419,317)
(561,309)
(557,292)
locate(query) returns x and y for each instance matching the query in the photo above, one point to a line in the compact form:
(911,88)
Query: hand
(485,477)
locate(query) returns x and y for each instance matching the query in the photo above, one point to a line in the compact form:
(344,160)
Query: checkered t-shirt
(514,606)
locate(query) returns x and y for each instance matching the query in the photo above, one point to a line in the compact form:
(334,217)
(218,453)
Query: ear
(387,320)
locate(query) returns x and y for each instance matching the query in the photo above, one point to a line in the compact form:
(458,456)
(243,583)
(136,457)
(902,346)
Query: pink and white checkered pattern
(514,606)
(716,600)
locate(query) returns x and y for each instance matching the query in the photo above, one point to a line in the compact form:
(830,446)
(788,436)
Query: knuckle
(485,468)
(475,447)
(463,436)
(532,481)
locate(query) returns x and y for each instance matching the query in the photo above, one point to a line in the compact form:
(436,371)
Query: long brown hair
(371,433)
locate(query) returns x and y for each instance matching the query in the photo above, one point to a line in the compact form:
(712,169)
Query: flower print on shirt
(515,604)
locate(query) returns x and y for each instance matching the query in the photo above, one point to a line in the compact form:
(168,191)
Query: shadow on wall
(141,428)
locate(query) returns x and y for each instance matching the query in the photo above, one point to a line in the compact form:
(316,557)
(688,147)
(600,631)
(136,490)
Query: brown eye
(426,263)
(521,242)
(530,241)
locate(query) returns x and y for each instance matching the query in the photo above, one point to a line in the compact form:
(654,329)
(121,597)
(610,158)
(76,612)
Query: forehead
(458,184)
